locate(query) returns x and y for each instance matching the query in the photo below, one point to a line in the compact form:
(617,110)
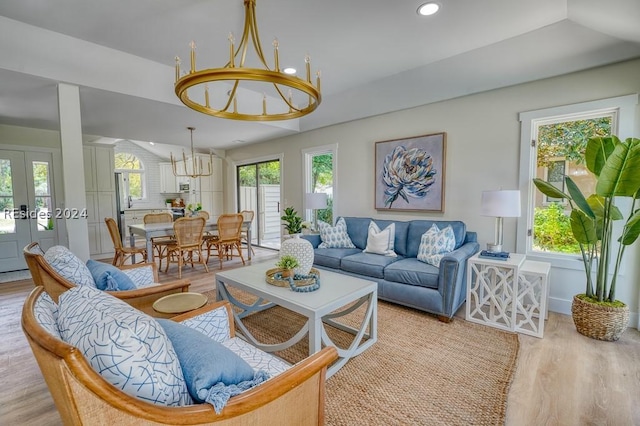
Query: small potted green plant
(287,263)
(293,221)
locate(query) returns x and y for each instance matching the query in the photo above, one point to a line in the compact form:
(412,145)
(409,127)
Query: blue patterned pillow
(435,243)
(212,372)
(108,277)
(127,347)
(335,236)
(69,266)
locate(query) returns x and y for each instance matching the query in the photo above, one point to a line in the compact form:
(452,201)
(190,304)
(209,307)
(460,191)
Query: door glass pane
(42,190)
(7,220)
(322,181)
(135,185)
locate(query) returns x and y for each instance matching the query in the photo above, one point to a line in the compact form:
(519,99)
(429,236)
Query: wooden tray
(270,278)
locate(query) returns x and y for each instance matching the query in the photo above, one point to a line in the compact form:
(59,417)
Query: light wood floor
(562,379)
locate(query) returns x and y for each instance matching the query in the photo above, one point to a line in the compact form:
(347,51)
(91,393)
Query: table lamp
(500,204)
(316,201)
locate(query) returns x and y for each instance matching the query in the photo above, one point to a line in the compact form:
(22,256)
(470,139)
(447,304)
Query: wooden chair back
(188,231)
(82,396)
(157,218)
(229,227)
(114,232)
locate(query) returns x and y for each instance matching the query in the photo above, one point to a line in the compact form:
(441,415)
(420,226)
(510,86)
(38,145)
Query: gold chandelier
(196,169)
(190,91)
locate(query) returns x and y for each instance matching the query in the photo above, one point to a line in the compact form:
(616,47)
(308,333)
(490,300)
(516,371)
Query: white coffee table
(320,307)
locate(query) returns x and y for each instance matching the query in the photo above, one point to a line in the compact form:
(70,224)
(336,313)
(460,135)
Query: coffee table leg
(358,346)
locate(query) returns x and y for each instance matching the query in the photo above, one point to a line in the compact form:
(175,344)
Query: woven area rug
(420,371)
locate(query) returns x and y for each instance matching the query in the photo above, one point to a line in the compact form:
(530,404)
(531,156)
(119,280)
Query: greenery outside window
(133,177)
(320,173)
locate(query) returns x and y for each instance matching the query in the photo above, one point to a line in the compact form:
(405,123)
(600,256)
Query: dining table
(152,230)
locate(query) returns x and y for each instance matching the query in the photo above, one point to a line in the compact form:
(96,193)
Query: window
(43,196)
(552,147)
(132,175)
(320,176)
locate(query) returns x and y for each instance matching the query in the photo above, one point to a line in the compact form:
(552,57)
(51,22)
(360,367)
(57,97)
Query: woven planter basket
(597,321)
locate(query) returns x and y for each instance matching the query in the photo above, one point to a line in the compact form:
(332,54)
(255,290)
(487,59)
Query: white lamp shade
(316,200)
(500,203)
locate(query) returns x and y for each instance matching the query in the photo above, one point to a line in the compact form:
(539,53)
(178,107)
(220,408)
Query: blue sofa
(404,279)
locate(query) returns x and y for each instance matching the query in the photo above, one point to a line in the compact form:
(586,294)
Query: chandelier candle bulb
(206,96)
(307,61)
(275,54)
(193,56)
(231,51)
(318,80)
(264,104)
(177,68)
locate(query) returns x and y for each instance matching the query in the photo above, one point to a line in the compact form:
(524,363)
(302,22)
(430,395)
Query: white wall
(483,138)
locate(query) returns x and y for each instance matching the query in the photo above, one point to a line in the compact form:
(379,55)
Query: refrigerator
(121,202)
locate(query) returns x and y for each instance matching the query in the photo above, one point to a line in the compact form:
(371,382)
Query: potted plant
(616,165)
(293,221)
(287,263)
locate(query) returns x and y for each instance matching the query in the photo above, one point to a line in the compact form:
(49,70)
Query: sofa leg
(444,319)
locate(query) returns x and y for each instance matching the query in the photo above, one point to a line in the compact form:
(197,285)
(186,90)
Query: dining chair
(229,230)
(159,244)
(122,253)
(244,235)
(188,233)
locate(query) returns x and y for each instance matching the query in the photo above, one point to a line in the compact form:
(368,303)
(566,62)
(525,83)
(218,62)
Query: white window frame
(307,161)
(125,176)
(623,110)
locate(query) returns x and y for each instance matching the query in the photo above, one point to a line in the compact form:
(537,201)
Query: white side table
(507,294)
(491,285)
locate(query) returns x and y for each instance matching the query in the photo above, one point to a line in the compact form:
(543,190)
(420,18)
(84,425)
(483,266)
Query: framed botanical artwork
(410,173)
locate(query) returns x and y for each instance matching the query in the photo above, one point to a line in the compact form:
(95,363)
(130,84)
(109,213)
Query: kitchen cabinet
(208,190)
(99,165)
(168,182)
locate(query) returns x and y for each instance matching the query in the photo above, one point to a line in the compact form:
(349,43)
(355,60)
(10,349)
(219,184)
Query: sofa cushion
(213,373)
(109,278)
(256,358)
(371,265)
(141,276)
(414,272)
(335,236)
(381,241)
(127,347)
(435,243)
(214,324)
(331,257)
(46,313)
(419,227)
(69,266)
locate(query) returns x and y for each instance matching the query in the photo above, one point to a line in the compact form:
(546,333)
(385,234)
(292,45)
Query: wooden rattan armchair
(122,253)
(82,396)
(229,234)
(188,232)
(159,244)
(54,284)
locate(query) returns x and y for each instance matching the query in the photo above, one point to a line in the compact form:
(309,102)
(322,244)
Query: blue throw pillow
(212,372)
(108,277)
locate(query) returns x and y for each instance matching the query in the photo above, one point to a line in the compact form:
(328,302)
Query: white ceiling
(376,56)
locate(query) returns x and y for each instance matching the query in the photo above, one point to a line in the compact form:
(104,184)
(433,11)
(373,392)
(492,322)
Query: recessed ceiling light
(428,9)
(289,70)
(152,143)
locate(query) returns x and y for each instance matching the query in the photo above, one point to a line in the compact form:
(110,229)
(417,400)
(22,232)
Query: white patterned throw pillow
(142,276)
(381,242)
(127,347)
(435,243)
(69,266)
(335,236)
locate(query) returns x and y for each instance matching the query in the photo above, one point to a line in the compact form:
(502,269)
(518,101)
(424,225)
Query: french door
(259,190)
(26,203)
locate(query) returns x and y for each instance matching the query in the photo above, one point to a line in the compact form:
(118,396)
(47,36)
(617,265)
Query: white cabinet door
(94,238)
(168,184)
(89,168)
(105,167)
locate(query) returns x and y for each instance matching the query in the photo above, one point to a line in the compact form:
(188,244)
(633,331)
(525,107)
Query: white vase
(302,250)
